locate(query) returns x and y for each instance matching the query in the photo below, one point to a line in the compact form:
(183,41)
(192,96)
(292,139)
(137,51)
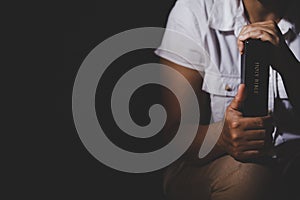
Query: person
(220,27)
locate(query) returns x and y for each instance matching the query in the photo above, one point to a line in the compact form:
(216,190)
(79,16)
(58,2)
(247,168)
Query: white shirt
(212,27)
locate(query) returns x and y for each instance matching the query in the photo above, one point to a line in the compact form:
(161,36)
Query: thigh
(225,178)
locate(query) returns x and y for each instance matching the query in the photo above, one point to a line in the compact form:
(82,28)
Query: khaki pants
(223,179)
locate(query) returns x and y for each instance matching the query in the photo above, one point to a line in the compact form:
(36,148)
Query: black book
(255,75)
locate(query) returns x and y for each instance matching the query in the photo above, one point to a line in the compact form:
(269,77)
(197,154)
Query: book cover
(255,75)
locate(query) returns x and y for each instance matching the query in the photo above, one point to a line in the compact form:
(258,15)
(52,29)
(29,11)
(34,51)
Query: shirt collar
(284,26)
(228,15)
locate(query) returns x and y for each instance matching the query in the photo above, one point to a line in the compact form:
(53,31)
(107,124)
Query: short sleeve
(181,42)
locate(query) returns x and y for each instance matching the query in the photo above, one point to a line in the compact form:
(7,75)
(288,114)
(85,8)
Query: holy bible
(255,75)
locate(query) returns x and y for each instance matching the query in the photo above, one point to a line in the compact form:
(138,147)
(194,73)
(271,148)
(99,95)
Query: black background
(74,173)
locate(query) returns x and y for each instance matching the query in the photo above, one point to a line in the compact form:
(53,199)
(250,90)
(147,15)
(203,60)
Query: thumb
(238,100)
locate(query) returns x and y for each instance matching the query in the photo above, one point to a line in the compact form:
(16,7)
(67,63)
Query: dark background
(75,173)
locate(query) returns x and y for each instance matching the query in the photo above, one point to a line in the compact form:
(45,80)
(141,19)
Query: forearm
(211,133)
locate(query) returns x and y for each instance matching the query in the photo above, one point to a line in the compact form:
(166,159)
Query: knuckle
(234,136)
(248,34)
(259,122)
(235,145)
(234,125)
(250,27)
(230,113)
(271,22)
(245,28)
(237,155)
(260,32)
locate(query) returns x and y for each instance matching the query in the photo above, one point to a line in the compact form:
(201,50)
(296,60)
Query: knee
(245,181)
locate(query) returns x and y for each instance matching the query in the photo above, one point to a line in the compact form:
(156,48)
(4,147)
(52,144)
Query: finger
(243,29)
(265,22)
(253,145)
(266,37)
(252,27)
(254,123)
(270,28)
(259,34)
(237,102)
(245,155)
(270,23)
(255,134)
(240,45)
(262,29)
(255,138)
(252,154)
(256,34)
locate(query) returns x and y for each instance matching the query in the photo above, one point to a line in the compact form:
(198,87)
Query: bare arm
(240,137)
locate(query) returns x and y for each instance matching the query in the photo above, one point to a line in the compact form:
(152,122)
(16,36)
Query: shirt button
(228,88)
